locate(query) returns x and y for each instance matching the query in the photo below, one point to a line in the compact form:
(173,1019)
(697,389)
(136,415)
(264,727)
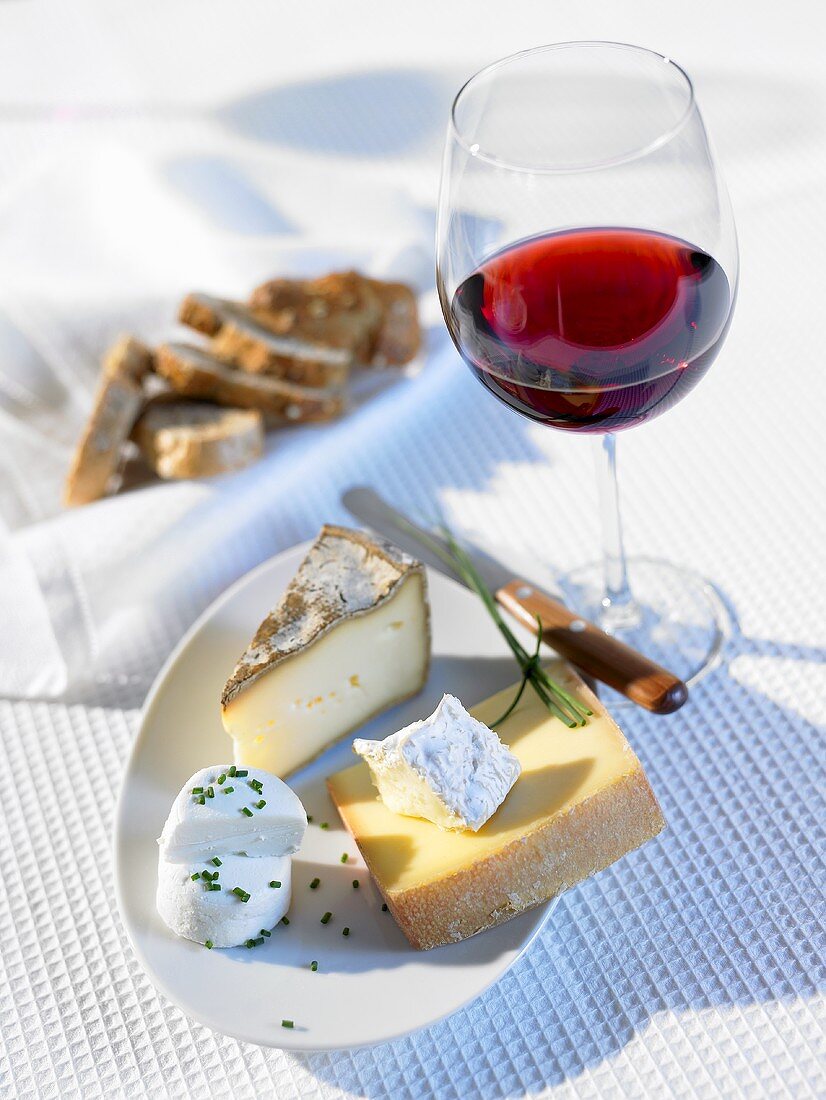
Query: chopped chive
(345,931)
(355,884)
(216,861)
(210,792)
(201,800)
(344,857)
(240,893)
(197,790)
(208,944)
(241,774)
(285,920)
(206,875)
(249,943)
(275,884)
(213,886)
(195,877)
(265,932)
(260,804)
(222,778)
(309,818)
(228,790)
(314,966)
(246,811)
(315,883)
(231,770)
(324,825)
(256,785)
(384,907)
(287,1023)
(326,918)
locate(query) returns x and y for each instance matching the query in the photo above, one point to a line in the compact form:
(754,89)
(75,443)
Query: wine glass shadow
(718,913)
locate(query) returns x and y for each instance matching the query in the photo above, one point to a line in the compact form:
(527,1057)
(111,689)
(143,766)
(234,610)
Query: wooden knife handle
(595,652)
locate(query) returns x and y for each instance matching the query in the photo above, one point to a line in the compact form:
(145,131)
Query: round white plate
(370,986)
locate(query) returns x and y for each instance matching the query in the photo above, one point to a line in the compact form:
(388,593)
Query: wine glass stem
(619,610)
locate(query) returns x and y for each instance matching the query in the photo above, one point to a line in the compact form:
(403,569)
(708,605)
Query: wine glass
(587,269)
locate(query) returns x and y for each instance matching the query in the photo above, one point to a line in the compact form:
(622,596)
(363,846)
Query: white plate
(369,987)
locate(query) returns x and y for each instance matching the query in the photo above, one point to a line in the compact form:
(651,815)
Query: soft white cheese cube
(197,913)
(233,819)
(450,769)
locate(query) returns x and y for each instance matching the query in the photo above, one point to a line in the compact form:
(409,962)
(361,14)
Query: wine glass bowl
(587,268)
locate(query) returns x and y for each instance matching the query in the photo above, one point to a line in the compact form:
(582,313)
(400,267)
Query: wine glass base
(679,619)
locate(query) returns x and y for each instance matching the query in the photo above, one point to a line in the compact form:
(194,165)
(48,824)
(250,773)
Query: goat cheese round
(192,910)
(450,769)
(255,813)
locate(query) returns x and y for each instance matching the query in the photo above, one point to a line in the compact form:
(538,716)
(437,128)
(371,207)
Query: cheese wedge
(350,637)
(581,801)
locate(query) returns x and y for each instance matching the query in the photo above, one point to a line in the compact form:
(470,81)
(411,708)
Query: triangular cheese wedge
(349,638)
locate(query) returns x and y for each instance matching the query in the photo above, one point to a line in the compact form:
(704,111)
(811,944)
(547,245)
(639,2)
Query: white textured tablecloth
(694,967)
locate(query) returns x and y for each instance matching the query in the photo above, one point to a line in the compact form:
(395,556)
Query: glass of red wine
(587,271)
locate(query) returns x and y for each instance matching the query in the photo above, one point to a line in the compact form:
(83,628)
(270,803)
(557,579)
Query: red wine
(592,330)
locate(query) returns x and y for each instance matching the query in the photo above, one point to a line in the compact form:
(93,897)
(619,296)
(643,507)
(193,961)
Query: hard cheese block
(581,802)
(350,638)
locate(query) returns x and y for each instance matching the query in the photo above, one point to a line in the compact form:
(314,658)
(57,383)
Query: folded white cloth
(92,599)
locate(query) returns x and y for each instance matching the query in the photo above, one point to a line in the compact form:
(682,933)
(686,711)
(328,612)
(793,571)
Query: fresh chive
(201,800)
(208,944)
(275,884)
(241,774)
(197,790)
(355,884)
(240,893)
(287,1023)
(344,857)
(265,932)
(210,792)
(345,931)
(249,943)
(384,907)
(228,790)
(195,877)
(315,883)
(256,785)
(213,886)
(314,966)
(222,778)
(260,804)
(326,918)
(231,770)
(257,941)
(216,861)
(206,875)
(324,825)
(285,920)
(246,811)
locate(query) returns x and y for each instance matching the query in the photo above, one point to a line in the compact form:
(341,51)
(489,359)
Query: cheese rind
(349,638)
(581,802)
(450,768)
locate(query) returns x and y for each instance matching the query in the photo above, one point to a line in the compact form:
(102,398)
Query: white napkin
(94,596)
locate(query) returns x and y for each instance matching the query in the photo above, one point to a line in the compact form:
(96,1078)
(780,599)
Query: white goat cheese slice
(192,910)
(450,769)
(255,813)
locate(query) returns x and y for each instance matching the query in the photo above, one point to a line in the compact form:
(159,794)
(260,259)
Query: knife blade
(596,653)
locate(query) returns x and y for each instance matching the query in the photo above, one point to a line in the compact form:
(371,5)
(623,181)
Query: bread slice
(181,439)
(249,341)
(193,372)
(581,802)
(399,336)
(115,407)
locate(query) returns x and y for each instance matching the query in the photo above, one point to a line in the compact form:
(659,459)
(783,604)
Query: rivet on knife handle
(595,652)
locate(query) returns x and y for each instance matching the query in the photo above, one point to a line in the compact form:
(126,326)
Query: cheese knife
(581,642)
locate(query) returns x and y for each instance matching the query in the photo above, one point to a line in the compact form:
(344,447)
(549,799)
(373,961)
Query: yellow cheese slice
(581,802)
